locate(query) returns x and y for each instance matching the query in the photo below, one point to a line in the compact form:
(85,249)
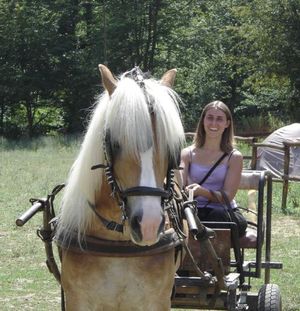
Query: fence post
(254,154)
(285,177)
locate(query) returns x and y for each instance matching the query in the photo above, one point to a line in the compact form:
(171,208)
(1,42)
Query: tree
(271,29)
(26,75)
(244,53)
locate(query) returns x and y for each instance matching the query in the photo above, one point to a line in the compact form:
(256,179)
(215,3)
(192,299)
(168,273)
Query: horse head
(137,134)
(139,161)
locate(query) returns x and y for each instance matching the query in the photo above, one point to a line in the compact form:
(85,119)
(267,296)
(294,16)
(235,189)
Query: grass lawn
(31,169)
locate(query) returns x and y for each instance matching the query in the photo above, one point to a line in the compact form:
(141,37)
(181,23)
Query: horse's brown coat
(101,283)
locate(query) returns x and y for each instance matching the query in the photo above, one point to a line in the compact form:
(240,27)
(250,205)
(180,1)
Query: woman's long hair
(227,141)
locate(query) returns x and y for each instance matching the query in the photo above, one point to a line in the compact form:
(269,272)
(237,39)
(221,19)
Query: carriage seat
(254,182)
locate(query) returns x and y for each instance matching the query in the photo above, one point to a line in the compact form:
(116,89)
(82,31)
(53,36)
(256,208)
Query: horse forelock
(128,116)
(168,126)
(128,119)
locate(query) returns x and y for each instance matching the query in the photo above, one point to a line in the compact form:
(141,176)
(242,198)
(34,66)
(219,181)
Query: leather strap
(225,201)
(108,248)
(227,204)
(213,168)
(143,190)
(109,224)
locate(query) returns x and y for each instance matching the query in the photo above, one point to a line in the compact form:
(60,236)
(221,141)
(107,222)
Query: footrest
(193,281)
(197,293)
(232,281)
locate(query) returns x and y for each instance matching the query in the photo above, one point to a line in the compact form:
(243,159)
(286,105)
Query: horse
(117,250)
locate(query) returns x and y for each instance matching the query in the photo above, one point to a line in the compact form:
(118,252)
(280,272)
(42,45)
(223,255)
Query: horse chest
(115,283)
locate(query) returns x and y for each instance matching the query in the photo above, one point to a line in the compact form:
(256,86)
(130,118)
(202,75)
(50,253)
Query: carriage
(128,236)
(194,292)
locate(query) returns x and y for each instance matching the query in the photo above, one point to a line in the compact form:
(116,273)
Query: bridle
(121,195)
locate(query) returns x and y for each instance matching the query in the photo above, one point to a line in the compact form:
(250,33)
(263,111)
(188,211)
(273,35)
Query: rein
(173,238)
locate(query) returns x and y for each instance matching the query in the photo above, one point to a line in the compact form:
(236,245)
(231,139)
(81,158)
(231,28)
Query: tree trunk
(30,117)
(2,117)
(152,34)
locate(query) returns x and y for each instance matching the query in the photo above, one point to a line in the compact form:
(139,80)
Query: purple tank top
(215,182)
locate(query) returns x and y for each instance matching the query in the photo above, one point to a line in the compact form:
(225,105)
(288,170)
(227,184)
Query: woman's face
(215,122)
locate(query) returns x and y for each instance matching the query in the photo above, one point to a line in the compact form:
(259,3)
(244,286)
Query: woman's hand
(196,188)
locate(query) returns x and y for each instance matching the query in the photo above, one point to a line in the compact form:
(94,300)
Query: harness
(172,237)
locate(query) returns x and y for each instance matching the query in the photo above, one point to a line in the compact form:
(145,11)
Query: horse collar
(100,247)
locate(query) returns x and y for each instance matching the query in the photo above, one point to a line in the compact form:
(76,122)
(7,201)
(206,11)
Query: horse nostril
(135,223)
(136,220)
(162,224)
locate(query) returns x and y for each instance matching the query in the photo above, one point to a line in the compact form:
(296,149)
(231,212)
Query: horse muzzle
(146,223)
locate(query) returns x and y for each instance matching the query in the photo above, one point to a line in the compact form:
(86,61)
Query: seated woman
(211,166)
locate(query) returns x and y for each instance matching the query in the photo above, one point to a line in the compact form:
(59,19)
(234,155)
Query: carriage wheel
(269,298)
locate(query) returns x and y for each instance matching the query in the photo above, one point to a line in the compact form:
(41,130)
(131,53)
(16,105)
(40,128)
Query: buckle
(112,225)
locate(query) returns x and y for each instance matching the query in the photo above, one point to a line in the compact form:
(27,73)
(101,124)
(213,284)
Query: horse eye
(115,148)
(174,162)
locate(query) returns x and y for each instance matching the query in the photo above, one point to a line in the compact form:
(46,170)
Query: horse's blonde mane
(126,116)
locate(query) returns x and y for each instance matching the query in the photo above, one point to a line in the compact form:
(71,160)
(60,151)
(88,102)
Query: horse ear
(108,80)
(168,78)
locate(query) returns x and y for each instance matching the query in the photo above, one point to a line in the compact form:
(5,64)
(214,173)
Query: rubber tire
(269,298)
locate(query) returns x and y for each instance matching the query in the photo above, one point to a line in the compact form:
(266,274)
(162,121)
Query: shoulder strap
(213,168)
(231,153)
(191,154)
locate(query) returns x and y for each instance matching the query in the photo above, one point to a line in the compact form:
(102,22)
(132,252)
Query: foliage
(257,125)
(245,53)
(271,29)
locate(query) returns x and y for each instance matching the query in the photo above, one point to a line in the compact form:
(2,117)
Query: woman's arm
(233,176)
(184,164)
